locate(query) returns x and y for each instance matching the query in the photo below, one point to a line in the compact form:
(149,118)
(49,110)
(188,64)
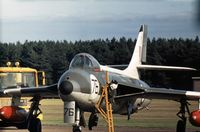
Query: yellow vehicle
(16,76)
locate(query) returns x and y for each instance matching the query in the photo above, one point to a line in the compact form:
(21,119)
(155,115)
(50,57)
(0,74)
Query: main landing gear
(181,124)
(34,123)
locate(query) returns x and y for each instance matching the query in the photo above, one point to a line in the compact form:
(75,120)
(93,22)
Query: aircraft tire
(181,125)
(35,125)
(93,121)
(22,126)
(76,129)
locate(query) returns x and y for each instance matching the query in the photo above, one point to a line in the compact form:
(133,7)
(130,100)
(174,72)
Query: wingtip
(191,69)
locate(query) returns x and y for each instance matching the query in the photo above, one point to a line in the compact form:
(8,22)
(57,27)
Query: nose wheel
(79,121)
(76,129)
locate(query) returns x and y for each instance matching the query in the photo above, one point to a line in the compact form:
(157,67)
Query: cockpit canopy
(84,60)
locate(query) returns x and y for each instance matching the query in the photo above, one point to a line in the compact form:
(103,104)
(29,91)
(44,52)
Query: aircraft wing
(44,91)
(160,93)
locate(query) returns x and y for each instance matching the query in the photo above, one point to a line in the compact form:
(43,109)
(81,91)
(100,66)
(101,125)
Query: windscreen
(84,60)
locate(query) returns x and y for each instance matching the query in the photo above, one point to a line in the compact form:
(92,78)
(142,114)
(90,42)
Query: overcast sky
(91,19)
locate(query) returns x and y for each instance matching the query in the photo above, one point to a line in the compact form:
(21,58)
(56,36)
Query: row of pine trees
(54,57)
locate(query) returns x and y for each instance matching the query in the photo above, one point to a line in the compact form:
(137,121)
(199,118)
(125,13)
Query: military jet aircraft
(80,88)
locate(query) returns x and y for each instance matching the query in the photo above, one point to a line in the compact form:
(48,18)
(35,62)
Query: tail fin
(139,54)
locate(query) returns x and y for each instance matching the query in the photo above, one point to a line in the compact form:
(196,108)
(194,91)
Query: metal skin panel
(120,106)
(69,112)
(86,88)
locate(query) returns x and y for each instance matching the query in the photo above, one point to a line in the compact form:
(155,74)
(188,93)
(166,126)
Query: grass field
(161,114)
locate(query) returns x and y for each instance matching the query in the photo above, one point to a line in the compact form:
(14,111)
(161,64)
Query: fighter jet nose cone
(66,87)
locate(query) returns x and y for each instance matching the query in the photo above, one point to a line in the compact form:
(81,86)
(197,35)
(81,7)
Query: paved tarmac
(100,129)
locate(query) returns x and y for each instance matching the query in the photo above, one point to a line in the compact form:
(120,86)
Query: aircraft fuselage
(87,87)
